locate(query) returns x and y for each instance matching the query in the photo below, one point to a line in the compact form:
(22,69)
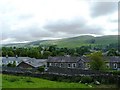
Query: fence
(18,70)
(76,71)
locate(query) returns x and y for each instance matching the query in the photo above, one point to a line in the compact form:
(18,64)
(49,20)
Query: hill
(73,41)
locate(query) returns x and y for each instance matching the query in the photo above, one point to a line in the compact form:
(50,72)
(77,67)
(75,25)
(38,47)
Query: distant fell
(72,42)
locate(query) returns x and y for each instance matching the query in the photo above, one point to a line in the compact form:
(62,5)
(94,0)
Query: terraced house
(83,62)
(68,62)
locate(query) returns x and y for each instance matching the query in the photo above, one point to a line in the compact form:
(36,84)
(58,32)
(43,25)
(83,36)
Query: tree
(10,53)
(82,50)
(97,61)
(14,64)
(9,65)
(112,52)
(46,54)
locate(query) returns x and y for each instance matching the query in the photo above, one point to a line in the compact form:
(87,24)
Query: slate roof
(66,59)
(85,59)
(35,62)
(115,59)
(63,59)
(18,59)
(31,61)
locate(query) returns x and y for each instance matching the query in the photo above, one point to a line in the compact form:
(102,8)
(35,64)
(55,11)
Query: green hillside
(74,41)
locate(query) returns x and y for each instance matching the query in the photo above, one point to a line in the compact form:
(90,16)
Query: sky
(30,20)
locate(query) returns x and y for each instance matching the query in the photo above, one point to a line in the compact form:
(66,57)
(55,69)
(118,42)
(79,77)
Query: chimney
(67,55)
(6,56)
(16,56)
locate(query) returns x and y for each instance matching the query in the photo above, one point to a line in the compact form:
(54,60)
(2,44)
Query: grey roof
(106,59)
(83,58)
(35,62)
(19,59)
(63,59)
(31,61)
(115,59)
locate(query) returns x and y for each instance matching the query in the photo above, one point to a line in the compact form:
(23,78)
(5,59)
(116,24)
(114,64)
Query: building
(17,60)
(25,62)
(65,62)
(83,62)
(113,62)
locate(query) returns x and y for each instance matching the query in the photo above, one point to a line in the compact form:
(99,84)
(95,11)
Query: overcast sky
(30,20)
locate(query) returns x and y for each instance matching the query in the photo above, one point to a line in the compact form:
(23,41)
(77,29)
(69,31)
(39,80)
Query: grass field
(10,81)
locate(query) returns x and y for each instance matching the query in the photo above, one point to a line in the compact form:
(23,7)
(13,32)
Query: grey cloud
(73,27)
(5,27)
(103,8)
(28,34)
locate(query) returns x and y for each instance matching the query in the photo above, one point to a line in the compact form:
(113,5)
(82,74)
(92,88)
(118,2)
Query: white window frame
(50,64)
(74,65)
(68,65)
(115,65)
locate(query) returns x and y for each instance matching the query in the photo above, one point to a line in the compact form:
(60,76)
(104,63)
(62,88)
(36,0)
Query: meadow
(11,81)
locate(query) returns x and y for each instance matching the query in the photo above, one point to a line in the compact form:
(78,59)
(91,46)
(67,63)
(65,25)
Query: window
(73,65)
(68,65)
(88,65)
(56,64)
(61,65)
(50,64)
(115,65)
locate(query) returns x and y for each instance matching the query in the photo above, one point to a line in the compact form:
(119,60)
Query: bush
(77,79)
(86,79)
(53,78)
(9,65)
(41,69)
(29,80)
(13,80)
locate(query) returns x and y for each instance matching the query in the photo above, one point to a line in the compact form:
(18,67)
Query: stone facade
(81,62)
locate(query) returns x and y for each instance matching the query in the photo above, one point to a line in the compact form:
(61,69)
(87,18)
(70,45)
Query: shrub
(13,80)
(86,79)
(77,79)
(53,78)
(9,65)
(29,80)
(41,69)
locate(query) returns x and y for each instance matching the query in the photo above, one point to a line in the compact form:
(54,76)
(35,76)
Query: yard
(10,81)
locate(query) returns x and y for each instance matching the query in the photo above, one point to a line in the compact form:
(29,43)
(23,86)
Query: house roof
(110,59)
(19,59)
(63,59)
(115,59)
(31,61)
(35,62)
(83,58)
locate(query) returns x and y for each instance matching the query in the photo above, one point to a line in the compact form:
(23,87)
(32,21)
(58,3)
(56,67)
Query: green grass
(75,41)
(10,81)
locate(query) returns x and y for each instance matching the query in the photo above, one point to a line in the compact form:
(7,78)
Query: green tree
(46,54)
(9,65)
(112,52)
(14,64)
(10,53)
(97,61)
